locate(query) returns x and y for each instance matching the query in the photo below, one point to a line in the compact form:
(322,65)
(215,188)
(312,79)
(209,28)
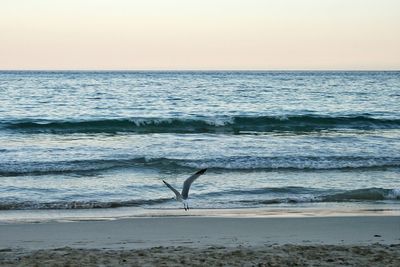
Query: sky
(199,35)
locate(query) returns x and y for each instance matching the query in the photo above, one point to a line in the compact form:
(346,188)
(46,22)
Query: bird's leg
(187,205)
(184,206)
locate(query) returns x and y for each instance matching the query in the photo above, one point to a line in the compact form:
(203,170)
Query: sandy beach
(199,133)
(200,241)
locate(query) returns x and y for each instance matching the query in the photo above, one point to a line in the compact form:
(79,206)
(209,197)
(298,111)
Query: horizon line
(198,70)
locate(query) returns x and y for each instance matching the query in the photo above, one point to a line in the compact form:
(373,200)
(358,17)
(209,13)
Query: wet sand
(175,241)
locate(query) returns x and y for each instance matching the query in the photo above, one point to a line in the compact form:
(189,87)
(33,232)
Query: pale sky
(200,34)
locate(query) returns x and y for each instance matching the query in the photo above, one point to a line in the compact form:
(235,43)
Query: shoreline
(77,215)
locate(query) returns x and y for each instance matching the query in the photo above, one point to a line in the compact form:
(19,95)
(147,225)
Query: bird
(182,197)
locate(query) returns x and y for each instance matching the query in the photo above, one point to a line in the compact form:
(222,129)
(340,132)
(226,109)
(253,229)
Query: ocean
(83,141)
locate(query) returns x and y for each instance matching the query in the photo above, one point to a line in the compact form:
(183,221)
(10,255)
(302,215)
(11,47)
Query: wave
(219,125)
(243,163)
(304,194)
(307,195)
(32,205)
(294,163)
(373,193)
(267,190)
(363,194)
(87,166)
(296,195)
(60,167)
(358,195)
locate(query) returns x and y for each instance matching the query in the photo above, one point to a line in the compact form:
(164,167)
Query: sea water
(106,140)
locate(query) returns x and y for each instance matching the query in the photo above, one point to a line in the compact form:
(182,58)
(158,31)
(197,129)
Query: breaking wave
(228,163)
(364,194)
(289,195)
(308,195)
(31,205)
(223,125)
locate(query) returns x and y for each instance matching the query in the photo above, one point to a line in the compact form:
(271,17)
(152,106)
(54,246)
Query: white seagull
(182,197)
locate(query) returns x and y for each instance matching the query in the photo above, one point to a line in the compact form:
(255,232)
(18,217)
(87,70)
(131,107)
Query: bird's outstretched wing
(173,189)
(189,181)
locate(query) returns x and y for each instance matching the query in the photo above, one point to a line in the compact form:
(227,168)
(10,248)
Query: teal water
(83,140)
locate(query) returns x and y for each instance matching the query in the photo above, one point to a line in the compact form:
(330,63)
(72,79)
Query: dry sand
(191,241)
(284,255)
